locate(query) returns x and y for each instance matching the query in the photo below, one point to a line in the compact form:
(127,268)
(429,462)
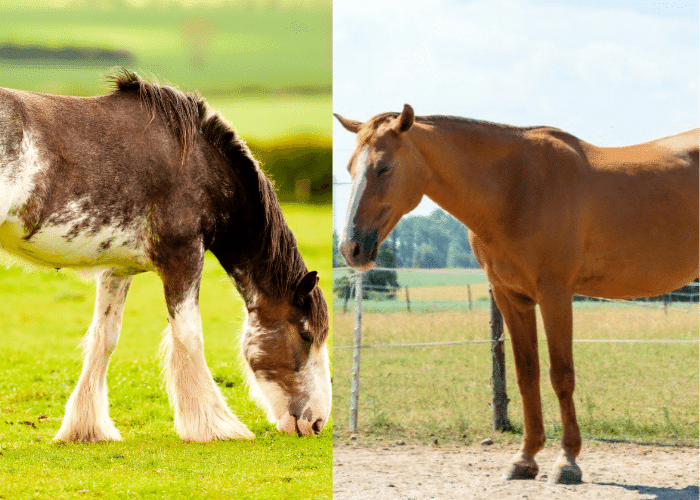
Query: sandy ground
(610,471)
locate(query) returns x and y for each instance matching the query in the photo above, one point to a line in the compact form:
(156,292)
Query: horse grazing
(549,216)
(145,178)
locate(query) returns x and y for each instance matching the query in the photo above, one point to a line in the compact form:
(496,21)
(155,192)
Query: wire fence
(349,285)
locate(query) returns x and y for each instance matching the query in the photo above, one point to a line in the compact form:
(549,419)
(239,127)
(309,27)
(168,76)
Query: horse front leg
(87,411)
(519,315)
(557,314)
(201,413)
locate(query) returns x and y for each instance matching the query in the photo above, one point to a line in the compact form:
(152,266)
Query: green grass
(644,392)
(244,49)
(43,316)
(268,119)
(268,70)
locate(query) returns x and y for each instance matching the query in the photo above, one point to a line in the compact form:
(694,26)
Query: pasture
(268,70)
(43,316)
(638,392)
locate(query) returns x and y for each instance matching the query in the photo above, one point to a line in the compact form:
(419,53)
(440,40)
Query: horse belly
(65,245)
(648,269)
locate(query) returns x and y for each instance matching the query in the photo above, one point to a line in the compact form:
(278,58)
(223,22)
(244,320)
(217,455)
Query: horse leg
(201,413)
(519,315)
(87,411)
(557,314)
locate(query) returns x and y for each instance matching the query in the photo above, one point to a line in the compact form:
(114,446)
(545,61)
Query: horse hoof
(566,472)
(522,470)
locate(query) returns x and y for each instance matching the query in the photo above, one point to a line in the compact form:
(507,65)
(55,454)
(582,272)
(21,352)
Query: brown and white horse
(144,178)
(549,216)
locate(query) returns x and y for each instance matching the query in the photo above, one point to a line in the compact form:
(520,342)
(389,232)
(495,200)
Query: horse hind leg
(87,411)
(201,413)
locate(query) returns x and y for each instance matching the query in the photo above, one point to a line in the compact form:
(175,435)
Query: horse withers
(145,178)
(549,216)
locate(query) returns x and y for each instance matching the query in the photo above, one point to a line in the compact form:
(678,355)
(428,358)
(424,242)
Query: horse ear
(351,125)
(306,285)
(405,119)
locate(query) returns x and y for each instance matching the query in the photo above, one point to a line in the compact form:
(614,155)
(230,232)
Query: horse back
(641,209)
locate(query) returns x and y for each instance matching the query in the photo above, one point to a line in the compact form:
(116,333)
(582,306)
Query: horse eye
(382,169)
(306,336)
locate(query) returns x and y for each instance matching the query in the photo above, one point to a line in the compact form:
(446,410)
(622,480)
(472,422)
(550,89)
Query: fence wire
(679,301)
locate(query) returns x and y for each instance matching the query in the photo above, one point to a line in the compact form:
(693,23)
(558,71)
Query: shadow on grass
(661,493)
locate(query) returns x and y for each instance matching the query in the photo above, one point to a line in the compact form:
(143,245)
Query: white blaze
(358,188)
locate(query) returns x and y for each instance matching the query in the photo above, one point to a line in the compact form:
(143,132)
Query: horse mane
(275,265)
(451,121)
(181,111)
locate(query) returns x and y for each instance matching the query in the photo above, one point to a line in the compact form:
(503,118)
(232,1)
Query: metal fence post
(357,341)
(498,377)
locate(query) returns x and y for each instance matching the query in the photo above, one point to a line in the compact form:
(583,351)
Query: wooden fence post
(357,342)
(408,301)
(498,377)
(469,294)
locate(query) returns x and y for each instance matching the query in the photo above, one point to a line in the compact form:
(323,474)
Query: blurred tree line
(430,242)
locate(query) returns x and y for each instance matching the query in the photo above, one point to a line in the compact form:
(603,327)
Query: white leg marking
(201,413)
(87,410)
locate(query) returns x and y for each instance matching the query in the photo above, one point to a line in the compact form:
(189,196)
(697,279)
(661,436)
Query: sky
(611,72)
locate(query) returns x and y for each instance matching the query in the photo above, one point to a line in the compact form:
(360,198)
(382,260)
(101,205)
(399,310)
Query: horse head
(388,175)
(286,358)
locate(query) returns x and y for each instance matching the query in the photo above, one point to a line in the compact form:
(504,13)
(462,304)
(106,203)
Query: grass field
(642,392)
(43,316)
(268,70)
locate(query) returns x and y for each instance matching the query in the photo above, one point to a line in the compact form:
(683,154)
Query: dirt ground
(610,471)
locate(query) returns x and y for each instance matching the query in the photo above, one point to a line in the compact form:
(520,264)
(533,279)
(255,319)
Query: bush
(300,167)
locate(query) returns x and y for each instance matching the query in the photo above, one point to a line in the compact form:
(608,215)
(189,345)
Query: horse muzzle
(360,251)
(310,423)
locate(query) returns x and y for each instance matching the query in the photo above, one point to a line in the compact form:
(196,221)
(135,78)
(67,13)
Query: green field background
(266,66)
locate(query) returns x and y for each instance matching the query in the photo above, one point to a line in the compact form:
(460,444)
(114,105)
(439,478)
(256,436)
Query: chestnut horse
(145,178)
(549,216)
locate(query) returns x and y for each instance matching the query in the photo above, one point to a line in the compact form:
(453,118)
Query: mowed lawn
(43,316)
(641,392)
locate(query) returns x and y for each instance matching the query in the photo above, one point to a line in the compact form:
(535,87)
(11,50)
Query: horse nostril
(317,427)
(350,249)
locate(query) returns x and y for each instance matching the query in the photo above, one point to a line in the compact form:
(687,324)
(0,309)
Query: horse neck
(270,263)
(466,163)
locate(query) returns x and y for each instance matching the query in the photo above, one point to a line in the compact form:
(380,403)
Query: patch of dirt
(610,471)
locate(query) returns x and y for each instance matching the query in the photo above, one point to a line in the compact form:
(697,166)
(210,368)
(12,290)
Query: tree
(338,260)
(426,257)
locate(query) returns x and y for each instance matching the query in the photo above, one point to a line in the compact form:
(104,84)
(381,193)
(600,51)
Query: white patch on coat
(18,177)
(268,395)
(358,188)
(314,381)
(56,244)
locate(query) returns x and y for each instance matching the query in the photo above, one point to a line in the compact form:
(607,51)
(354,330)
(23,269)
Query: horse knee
(563,381)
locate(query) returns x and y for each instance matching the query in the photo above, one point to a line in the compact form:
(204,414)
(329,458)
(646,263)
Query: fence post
(469,294)
(498,371)
(356,343)
(408,301)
